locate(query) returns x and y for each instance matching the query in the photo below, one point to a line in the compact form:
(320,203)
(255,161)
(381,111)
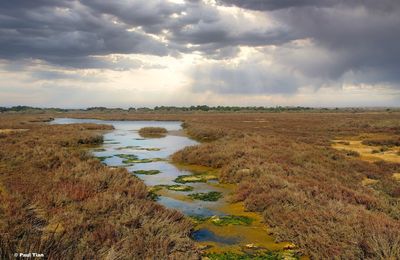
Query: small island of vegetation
(153,132)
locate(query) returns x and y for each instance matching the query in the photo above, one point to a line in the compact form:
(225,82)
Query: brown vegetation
(389,142)
(310,193)
(57,200)
(153,131)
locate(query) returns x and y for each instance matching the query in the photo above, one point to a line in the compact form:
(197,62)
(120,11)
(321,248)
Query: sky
(135,53)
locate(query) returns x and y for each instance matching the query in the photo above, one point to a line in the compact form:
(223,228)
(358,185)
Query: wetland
(221,226)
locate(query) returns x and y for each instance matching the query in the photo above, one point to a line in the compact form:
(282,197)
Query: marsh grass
(388,142)
(304,188)
(153,132)
(283,163)
(352,153)
(59,200)
(99,150)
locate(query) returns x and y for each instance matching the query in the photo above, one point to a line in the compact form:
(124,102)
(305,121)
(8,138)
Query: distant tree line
(230,108)
(199,108)
(30,109)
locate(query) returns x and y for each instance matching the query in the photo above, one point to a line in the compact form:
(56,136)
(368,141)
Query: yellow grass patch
(11,131)
(368,181)
(367,152)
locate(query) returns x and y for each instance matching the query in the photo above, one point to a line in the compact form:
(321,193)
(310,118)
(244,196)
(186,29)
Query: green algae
(179,187)
(103,158)
(194,178)
(223,220)
(131,158)
(148,149)
(206,196)
(199,219)
(175,187)
(153,196)
(128,158)
(147,172)
(231,220)
(99,150)
(138,148)
(147,160)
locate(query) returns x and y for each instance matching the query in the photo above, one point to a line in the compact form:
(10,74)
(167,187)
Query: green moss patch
(128,158)
(195,178)
(112,142)
(103,158)
(199,219)
(223,220)
(176,187)
(206,196)
(131,158)
(231,220)
(153,196)
(148,160)
(147,172)
(125,147)
(138,148)
(179,187)
(99,150)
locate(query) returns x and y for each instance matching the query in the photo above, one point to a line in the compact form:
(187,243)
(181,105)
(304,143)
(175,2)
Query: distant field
(309,174)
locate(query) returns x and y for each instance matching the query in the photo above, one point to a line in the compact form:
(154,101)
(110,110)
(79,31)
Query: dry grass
(153,131)
(59,201)
(310,193)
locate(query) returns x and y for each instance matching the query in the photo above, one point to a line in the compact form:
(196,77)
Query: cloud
(58,31)
(347,37)
(254,74)
(150,15)
(290,44)
(64,31)
(272,5)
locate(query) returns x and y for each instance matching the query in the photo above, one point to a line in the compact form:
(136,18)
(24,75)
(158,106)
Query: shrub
(153,132)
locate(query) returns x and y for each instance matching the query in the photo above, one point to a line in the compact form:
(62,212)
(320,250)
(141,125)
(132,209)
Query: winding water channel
(221,226)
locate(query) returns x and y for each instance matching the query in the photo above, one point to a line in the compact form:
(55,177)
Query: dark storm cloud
(57,31)
(271,5)
(360,38)
(267,5)
(151,15)
(350,40)
(67,31)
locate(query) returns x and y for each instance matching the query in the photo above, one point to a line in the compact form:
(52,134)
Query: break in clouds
(250,47)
